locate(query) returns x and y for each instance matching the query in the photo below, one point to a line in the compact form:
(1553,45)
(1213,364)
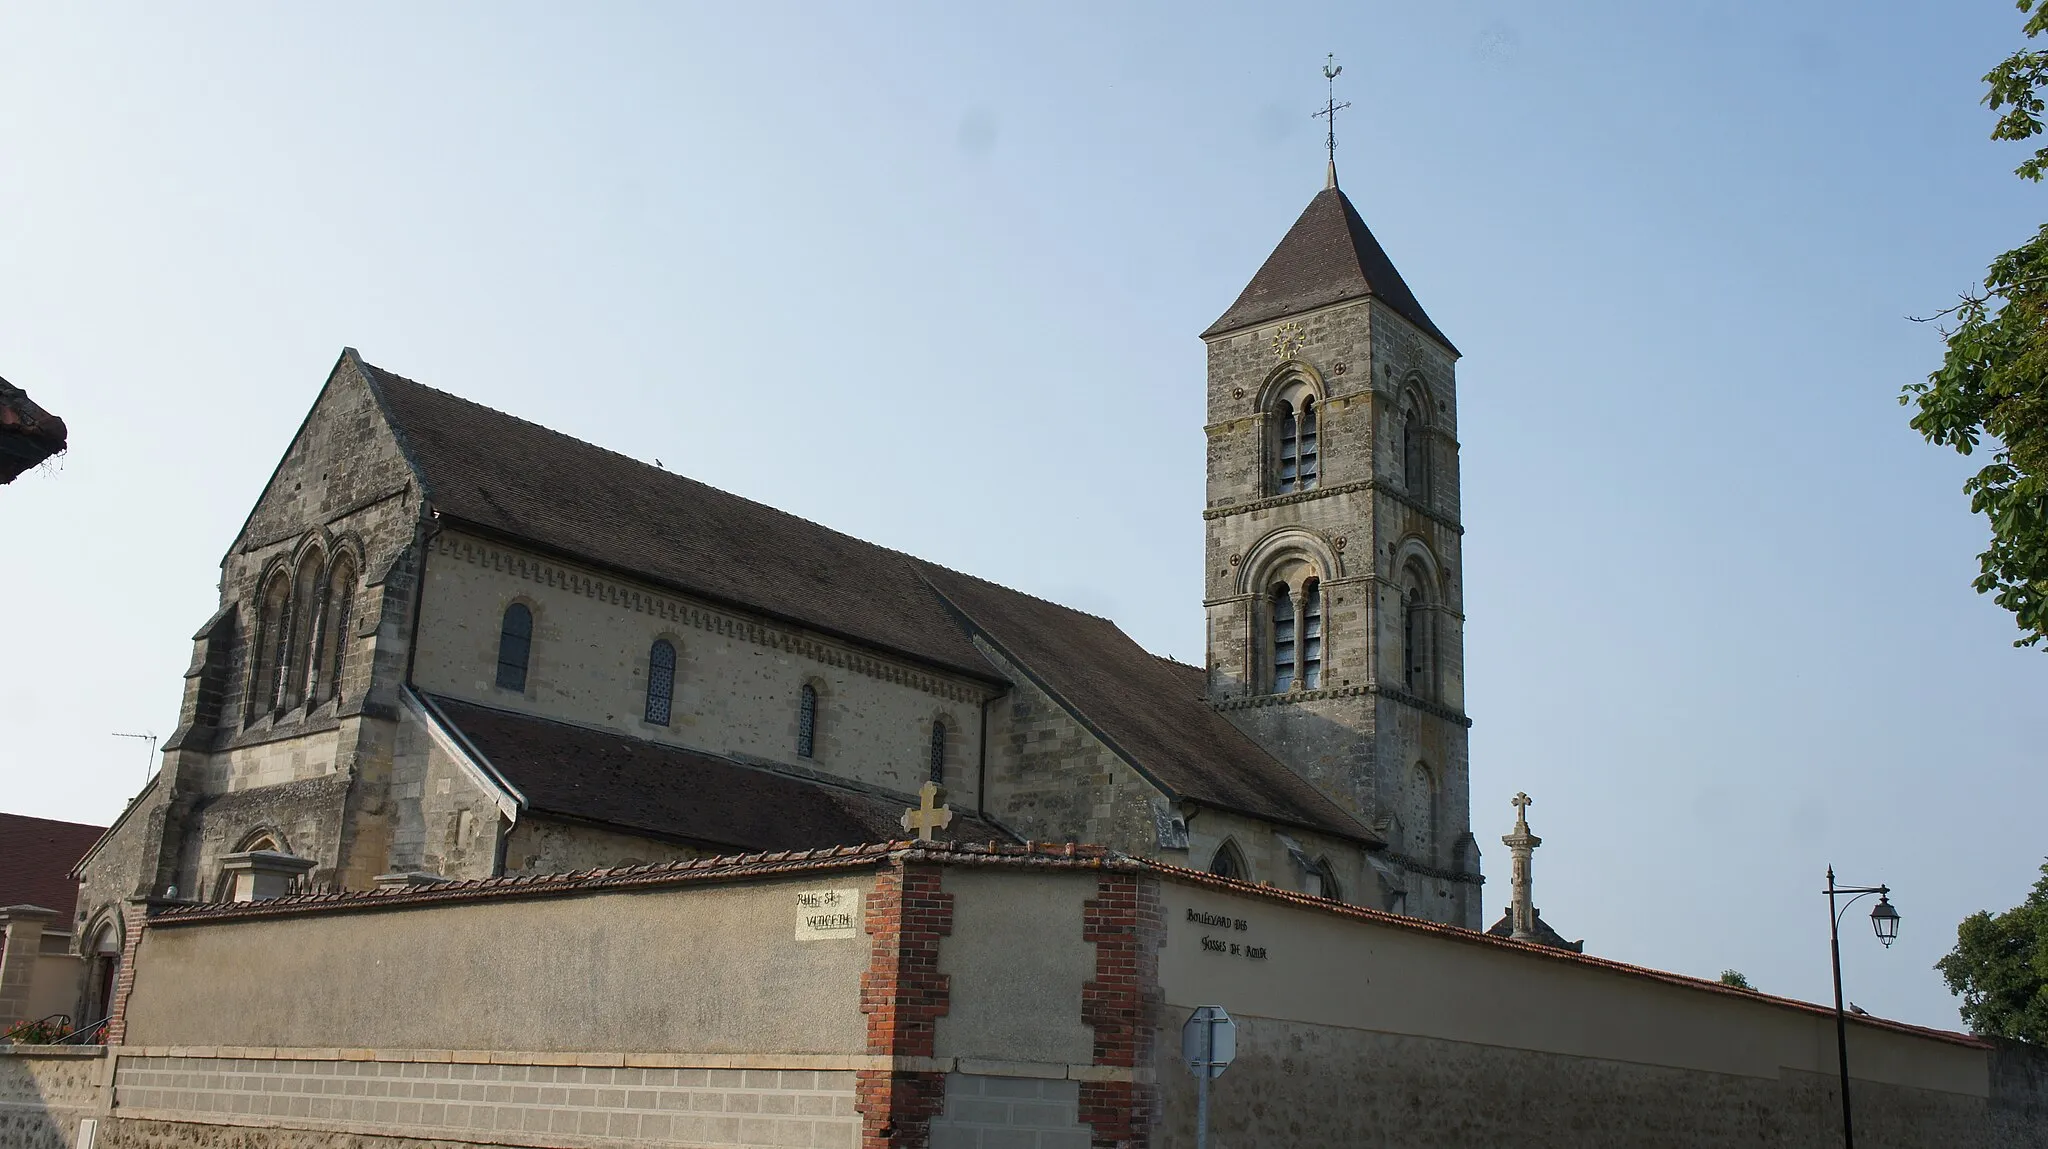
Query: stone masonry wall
(44,1092)
(737,678)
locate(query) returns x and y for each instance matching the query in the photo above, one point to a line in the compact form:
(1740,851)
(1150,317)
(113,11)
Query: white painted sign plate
(823,915)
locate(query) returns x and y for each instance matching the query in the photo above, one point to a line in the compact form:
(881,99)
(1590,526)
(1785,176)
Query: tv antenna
(149,762)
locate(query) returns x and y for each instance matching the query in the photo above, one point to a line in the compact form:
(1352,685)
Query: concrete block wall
(487,1102)
(984,1112)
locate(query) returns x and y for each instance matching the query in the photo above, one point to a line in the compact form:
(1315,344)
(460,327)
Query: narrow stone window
(309,603)
(515,647)
(1312,635)
(938,752)
(661,680)
(1306,465)
(807,721)
(267,650)
(1290,450)
(1283,640)
(1415,660)
(1414,452)
(341,597)
(1228,863)
(1322,881)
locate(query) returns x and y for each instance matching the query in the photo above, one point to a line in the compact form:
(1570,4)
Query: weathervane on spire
(1331,70)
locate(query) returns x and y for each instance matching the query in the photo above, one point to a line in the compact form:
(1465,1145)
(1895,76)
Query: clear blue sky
(933,275)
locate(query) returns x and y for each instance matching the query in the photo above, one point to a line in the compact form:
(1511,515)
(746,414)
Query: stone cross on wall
(927,815)
(1522,844)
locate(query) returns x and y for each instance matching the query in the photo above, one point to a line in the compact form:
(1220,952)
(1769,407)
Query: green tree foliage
(1736,978)
(2000,969)
(1993,381)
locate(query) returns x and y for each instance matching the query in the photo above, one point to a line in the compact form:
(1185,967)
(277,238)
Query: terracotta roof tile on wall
(677,793)
(36,856)
(1328,256)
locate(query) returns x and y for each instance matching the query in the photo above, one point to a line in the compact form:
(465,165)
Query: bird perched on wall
(1858,1010)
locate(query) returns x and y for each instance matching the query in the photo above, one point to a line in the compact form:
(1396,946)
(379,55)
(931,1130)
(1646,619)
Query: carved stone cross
(1522,802)
(928,815)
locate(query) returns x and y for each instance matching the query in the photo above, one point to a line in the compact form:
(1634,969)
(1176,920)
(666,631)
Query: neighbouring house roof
(36,857)
(676,793)
(505,476)
(28,434)
(1328,256)
(1545,936)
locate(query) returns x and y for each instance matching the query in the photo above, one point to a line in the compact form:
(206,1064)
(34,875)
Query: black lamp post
(1885,920)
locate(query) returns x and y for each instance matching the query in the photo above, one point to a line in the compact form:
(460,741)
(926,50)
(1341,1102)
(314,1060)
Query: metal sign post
(1208,1043)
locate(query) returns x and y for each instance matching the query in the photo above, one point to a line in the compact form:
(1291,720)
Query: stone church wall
(44,1092)
(737,678)
(540,845)
(445,821)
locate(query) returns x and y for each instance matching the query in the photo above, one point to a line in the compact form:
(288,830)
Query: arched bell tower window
(661,681)
(1296,442)
(1283,639)
(1415,448)
(515,646)
(1417,635)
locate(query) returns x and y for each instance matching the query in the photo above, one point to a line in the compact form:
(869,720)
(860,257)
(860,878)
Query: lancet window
(1283,639)
(807,721)
(1228,863)
(271,645)
(334,629)
(938,751)
(515,646)
(1417,669)
(1415,448)
(661,681)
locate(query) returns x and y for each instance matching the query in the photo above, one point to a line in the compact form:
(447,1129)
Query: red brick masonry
(904,994)
(1121,1005)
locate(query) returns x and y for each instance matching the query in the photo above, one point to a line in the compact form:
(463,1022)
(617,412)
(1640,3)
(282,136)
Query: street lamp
(1885,921)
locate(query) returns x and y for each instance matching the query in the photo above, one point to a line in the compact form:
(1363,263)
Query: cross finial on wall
(1522,802)
(1331,70)
(927,815)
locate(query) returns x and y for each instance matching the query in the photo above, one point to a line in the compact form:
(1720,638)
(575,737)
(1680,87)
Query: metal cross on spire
(1331,70)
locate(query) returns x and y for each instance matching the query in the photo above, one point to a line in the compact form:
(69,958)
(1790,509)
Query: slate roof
(1328,256)
(489,470)
(28,434)
(676,793)
(36,856)
(1545,936)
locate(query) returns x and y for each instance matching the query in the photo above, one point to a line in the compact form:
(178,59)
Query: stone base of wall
(44,1094)
(292,1102)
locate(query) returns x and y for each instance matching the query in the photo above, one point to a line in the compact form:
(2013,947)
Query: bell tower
(1334,580)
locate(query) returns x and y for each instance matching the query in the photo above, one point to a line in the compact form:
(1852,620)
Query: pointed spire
(1328,256)
(1330,181)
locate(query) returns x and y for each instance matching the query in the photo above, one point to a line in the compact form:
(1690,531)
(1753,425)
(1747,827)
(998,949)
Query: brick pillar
(1122,1004)
(904,994)
(124,981)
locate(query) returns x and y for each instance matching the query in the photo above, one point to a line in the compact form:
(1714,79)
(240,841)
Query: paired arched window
(661,681)
(938,751)
(1297,623)
(807,722)
(1415,448)
(1300,461)
(515,646)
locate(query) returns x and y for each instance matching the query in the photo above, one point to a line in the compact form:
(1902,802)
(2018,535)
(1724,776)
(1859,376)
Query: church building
(453,644)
